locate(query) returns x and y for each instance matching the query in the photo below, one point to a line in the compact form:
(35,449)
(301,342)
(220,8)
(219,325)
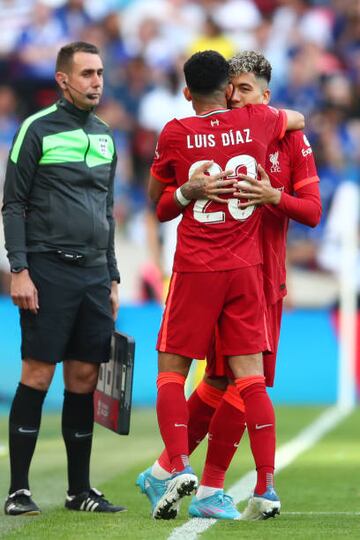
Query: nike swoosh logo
(262,426)
(180,425)
(212,510)
(24,430)
(81,435)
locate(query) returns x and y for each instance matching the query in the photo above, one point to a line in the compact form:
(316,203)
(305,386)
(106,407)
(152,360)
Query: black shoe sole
(186,489)
(271,514)
(167,511)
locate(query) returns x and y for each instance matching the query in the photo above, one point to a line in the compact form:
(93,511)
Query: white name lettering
(227,138)
(236,137)
(200,140)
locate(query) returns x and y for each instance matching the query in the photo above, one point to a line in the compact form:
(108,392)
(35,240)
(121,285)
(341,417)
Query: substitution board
(113,394)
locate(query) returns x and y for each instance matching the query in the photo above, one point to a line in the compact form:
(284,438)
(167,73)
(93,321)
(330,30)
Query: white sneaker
(262,506)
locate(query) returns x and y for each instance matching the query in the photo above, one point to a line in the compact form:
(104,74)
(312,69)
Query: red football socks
(201,406)
(173,417)
(225,431)
(260,421)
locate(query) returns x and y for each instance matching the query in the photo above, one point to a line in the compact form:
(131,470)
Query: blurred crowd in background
(314,48)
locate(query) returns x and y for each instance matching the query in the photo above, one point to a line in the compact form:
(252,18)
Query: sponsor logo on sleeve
(306,151)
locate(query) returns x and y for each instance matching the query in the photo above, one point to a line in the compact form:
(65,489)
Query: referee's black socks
(77,430)
(24,425)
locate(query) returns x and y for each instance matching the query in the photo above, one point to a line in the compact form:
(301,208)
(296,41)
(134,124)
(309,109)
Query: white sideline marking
(3,450)
(285,455)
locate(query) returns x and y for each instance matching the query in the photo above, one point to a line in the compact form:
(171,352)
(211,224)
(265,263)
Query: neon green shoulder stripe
(25,126)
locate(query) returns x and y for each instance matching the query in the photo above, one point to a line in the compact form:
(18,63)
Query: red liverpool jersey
(290,164)
(214,236)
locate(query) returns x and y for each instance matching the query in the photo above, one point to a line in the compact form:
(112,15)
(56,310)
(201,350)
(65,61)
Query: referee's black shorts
(74,321)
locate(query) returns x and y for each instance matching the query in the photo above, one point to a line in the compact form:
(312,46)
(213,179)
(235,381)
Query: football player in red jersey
(292,168)
(217,275)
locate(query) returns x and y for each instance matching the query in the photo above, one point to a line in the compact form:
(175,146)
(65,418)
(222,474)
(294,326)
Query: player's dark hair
(206,72)
(250,62)
(66,54)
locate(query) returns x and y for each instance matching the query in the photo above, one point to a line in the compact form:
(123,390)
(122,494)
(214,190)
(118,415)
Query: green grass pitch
(320,491)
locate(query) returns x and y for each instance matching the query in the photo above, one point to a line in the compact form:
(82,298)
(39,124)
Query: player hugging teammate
(219,279)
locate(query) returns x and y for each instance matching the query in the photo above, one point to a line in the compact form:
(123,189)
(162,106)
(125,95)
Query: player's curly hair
(206,72)
(250,62)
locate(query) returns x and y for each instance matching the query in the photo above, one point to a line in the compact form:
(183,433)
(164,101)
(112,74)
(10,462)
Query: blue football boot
(152,487)
(217,506)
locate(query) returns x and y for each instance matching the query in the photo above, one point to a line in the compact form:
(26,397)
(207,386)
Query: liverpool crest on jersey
(274,160)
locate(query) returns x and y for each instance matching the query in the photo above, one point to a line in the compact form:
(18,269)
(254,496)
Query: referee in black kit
(59,235)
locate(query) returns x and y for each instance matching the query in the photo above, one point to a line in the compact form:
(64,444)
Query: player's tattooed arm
(203,185)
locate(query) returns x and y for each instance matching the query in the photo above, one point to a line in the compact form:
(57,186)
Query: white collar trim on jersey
(210,113)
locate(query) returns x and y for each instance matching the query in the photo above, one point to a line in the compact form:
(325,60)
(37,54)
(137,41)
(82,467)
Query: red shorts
(197,301)
(217,365)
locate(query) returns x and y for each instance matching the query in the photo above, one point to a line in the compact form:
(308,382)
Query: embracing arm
(201,185)
(295,120)
(168,208)
(305,207)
